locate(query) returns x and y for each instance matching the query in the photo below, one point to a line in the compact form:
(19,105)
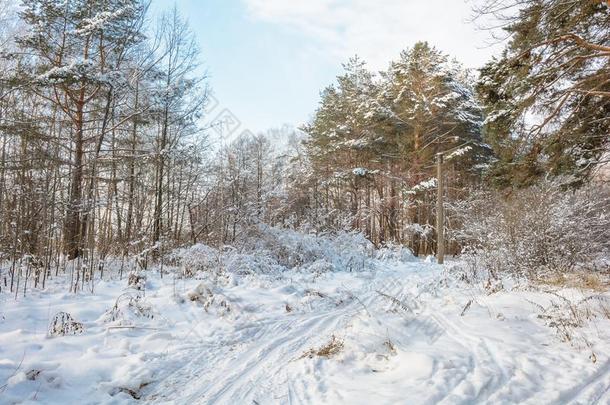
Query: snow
(362,172)
(97,23)
(424,185)
(76,70)
(459,152)
(308,329)
(356,143)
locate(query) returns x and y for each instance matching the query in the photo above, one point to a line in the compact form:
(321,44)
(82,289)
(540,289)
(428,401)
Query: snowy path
(241,368)
(405,333)
(248,366)
(436,355)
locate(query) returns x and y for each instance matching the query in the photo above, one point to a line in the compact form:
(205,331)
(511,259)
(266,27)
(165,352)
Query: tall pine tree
(548,96)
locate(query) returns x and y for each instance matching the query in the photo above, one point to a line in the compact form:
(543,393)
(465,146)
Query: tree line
(101,143)
(103,154)
(539,110)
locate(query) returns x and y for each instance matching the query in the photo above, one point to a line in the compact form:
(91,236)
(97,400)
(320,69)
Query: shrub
(128,309)
(270,250)
(343,250)
(538,231)
(64,324)
(211,302)
(197,258)
(136,281)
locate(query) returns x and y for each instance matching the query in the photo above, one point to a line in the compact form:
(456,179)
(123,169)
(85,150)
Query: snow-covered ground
(393,332)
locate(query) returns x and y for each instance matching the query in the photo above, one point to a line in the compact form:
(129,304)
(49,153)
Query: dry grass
(135,394)
(330,349)
(567,317)
(594,281)
(390,347)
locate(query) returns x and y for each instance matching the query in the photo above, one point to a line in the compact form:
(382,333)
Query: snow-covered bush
(289,248)
(320,266)
(536,231)
(348,250)
(128,309)
(395,253)
(197,258)
(343,250)
(136,281)
(212,302)
(264,249)
(64,324)
(250,263)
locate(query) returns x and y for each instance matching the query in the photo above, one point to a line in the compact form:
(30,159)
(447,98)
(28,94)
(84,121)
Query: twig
(133,327)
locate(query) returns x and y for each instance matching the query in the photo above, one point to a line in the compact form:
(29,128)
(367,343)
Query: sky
(268,60)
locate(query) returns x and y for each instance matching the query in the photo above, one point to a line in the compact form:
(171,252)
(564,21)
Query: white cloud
(379,30)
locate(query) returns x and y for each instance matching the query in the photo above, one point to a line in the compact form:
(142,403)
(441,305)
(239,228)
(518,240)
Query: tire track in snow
(482,358)
(268,361)
(596,389)
(237,378)
(249,363)
(475,349)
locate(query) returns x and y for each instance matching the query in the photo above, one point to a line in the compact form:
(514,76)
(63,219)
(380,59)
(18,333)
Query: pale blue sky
(268,60)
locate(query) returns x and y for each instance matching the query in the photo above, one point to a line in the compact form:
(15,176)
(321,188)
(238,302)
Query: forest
(111,178)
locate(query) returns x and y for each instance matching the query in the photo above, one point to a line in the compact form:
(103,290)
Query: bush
(270,250)
(395,253)
(252,263)
(128,309)
(538,231)
(136,281)
(64,324)
(343,250)
(211,302)
(197,258)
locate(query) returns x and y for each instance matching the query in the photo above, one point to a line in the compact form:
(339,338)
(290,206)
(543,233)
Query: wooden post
(440,211)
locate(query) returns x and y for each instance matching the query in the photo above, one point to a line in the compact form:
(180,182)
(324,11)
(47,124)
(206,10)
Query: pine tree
(431,107)
(76,48)
(548,96)
(373,139)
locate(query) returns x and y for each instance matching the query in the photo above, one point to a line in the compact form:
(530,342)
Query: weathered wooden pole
(440,211)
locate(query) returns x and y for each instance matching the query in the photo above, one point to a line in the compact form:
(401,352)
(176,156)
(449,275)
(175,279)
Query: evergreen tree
(548,96)
(373,140)
(431,108)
